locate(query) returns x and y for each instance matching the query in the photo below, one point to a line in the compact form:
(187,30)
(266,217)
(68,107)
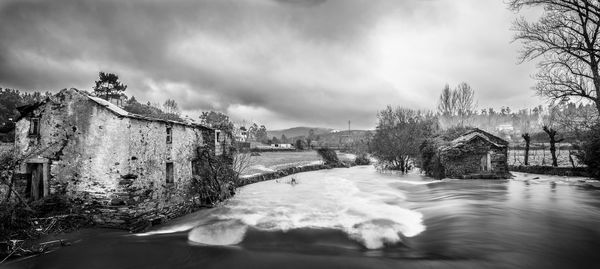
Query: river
(360,218)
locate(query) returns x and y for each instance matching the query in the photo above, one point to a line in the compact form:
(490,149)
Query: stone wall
(82,141)
(111,167)
(143,192)
(286,172)
(549,170)
(499,160)
(462,165)
(466,162)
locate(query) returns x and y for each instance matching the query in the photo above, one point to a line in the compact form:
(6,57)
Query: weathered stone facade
(117,166)
(475,154)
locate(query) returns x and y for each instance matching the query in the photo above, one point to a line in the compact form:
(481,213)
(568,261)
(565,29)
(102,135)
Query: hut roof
(478,133)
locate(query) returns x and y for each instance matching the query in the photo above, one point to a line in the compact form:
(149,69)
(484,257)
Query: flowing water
(359,218)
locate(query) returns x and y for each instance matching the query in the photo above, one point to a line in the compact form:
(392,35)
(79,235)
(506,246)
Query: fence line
(541,157)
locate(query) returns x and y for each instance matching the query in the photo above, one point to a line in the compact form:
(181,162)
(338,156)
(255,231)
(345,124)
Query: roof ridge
(124,113)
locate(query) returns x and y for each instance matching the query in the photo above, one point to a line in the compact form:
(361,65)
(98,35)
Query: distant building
(475,154)
(119,166)
(240,134)
(505,128)
(282,146)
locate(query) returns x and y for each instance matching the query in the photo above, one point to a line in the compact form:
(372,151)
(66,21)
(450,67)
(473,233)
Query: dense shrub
(399,134)
(362,159)
(589,153)
(218,179)
(329,156)
(430,161)
(300,144)
(15,221)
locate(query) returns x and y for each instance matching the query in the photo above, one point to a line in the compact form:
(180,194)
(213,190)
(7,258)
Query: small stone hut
(475,154)
(118,166)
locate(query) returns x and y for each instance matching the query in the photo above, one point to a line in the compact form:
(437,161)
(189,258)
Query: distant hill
(342,138)
(327,137)
(298,131)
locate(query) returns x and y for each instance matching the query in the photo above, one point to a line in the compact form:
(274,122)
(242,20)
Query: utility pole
(348,136)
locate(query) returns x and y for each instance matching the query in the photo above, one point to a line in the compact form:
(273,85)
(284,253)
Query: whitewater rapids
(371,212)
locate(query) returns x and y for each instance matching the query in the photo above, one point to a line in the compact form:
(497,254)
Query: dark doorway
(35,182)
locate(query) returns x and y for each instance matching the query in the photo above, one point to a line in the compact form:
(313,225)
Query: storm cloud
(282,63)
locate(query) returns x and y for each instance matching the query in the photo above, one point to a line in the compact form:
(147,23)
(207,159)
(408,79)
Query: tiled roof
(473,134)
(461,140)
(121,112)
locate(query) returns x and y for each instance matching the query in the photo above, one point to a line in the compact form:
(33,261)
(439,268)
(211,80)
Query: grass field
(540,157)
(272,161)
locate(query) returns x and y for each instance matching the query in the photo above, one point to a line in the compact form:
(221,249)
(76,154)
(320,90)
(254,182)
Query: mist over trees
(457,107)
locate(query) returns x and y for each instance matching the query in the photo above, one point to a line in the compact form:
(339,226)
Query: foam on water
(229,232)
(545,179)
(318,200)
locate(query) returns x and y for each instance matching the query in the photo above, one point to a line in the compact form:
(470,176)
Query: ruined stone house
(118,166)
(475,154)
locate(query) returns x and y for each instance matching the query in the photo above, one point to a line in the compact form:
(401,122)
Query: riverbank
(550,170)
(35,232)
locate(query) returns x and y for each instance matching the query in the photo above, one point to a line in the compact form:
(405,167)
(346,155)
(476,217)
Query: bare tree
(171,107)
(241,162)
(456,106)
(566,40)
(464,97)
(527,139)
(552,135)
(447,102)
(574,118)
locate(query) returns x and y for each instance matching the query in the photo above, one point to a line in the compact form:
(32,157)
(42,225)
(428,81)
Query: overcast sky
(282,63)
